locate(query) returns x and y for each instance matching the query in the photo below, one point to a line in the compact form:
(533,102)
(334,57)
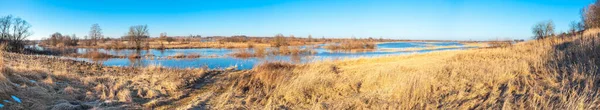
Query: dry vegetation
(544,74)
(282,50)
(352,45)
(553,73)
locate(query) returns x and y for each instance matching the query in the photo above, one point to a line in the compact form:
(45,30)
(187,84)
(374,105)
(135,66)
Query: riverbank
(46,82)
(521,76)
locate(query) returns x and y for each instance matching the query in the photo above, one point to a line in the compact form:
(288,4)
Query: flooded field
(221,58)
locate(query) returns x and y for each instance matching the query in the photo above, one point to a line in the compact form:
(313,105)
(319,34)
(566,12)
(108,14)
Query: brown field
(554,73)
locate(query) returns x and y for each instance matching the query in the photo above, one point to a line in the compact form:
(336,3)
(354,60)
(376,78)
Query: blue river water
(220,58)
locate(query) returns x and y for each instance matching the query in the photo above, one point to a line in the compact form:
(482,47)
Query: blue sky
(397,19)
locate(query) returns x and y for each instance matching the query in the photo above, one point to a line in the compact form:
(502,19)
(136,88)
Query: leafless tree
(95,34)
(310,39)
(137,34)
(543,30)
(13,30)
(86,41)
(591,15)
(54,39)
(575,27)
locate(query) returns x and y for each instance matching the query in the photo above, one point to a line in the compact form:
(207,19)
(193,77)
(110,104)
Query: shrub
(351,45)
(279,41)
(13,30)
(242,53)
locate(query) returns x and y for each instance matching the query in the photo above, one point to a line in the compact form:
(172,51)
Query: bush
(351,45)
(13,30)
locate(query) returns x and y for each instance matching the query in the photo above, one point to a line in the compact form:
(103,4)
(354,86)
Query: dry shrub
(351,45)
(134,56)
(250,44)
(124,95)
(193,55)
(272,72)
(260,51)
(295,51)
(115,45)
(283,50)
(179,55)
(69,90)
(242,53)
(2,47)
(6,86)
(96,54)
(152,94)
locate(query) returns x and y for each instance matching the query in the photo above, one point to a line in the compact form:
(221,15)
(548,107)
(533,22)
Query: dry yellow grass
(546,74)
(50,83)
(555,73)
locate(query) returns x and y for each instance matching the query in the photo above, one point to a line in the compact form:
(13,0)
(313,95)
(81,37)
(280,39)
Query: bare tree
(591,15)
(163,35)
(74,40)
(86,41)
(13,30)
(310,39)
(575,27)
(543,30)
(137,34)
(95,34)
(549,30)
(54,39)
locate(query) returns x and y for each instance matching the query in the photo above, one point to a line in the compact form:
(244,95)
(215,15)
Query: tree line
(135,37)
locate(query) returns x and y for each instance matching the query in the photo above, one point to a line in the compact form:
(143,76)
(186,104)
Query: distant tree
(13,30)
(55,39)
(59,40)
(549,28)
(74,41)
(163,35)
(575,27)
(170,39)
(137,34)
(95,34)
(279,40)
(310,39)
(543,30)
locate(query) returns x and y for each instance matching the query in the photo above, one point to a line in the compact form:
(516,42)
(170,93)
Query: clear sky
(398,19)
